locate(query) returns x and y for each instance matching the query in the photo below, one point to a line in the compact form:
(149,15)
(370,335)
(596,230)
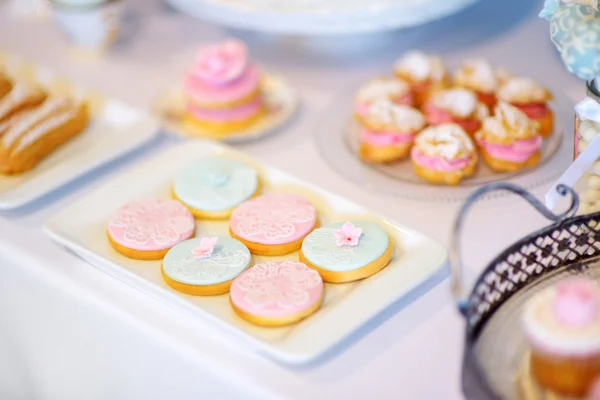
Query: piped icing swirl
(508,124)
(460,103)
(420,67)
(477,74)
(520,90)
(447,141)
(221,63)
(386,115)
(565,319)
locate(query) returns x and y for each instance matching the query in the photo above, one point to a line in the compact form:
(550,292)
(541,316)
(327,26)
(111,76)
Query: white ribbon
(587,109)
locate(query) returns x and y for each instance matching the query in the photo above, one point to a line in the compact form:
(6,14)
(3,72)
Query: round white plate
(320,17)
(280,98)
(338,144)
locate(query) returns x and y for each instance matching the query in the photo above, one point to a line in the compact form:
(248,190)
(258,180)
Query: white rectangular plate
(115,129)
(346,307)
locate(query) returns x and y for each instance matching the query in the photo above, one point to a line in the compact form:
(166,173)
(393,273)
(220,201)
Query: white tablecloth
(68,331)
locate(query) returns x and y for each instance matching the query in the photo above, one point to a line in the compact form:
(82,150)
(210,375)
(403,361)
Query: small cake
(346,252)
(479,76)
(20,98)
(388,131)
(562,326)
(277,293)
(425,74)
(392,89)
(509,141)
(28,137)
(531,98)
(459,106)
(273,224)
(212,187)
(223,89)
(205,266)
(6,84)
(147,229)
(444,154)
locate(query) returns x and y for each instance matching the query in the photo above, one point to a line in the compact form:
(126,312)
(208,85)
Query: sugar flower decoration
(221,63)
(347,235)
(206,248)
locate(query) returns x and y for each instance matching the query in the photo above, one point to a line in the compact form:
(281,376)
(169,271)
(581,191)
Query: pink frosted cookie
(277,293)
(273,224)
(147,229)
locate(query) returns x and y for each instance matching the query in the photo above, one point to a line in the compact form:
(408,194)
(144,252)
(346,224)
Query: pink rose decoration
(576,302)
(221,63)
(347,235)
(206,248)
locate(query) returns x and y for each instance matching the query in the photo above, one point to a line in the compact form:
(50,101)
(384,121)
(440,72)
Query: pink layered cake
(509,140)
(223,89)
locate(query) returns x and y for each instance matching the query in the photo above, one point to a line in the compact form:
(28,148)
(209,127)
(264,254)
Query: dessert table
(69,331)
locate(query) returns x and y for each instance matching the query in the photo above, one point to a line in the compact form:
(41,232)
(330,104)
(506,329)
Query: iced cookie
(273,224)
(346,252)
(562,326)
(531,98)
(444,154)
(212,187)
(459,106)
(223,89)
(388,131)
(509,141)
(393,89)
(425,74)
(147,229)
(205,266)
(277,293)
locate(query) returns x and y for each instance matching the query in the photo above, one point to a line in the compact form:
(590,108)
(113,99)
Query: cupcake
(223,89)
(425,74)
(459,106)
(531,98)
(388,131)
(562,326)
(393,89)
(509,140)
(479,76)
(444,154)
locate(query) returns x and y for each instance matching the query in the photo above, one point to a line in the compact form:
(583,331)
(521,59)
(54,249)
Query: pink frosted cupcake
(223,89)
(444,154)
(562,326)
(392,89)
(388,131)
(459,106)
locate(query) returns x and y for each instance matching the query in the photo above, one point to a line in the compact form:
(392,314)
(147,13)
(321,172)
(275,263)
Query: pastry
(223,89)
(212,187)
(594,393)
(457,105)
(147,229)
(277,293)
(29,136)
(5,84)
(509,141)
(425,74)
(273,224)
(205,266)
(21,97)
(444,154)
(562,326)
(479,76)
(388,131)
(392,89)
(346,252)
(531,98)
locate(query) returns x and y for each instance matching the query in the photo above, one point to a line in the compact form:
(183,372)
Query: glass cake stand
(337,140)
(320,17)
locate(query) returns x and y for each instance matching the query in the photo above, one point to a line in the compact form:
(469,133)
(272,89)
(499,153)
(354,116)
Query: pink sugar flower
(206,248)
(347,235)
